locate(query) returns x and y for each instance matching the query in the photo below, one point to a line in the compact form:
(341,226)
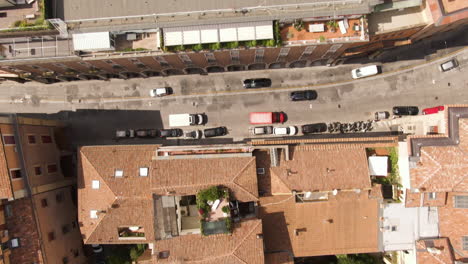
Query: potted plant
(298,24)
(322,39)
(333,25)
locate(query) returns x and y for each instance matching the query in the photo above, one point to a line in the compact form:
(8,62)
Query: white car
(158,92)
(365,71)
(448,65)
(290,130)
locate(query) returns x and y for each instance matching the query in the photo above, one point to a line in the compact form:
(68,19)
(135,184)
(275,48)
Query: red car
(433,110)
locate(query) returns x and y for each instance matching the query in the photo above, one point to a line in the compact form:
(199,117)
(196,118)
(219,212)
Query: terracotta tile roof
(418,199)
(453,224)
(279,258)
(346,223)
(242,246)
(434,251)
(5,184)
(323,168)
(128,200)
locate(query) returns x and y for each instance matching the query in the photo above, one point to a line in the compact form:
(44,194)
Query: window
(461,201)
(59,197)
(95,184)
(38,170)
(16,174)
(432,196)
(14,242)
(163,254)
(144,172)
(465,242)
(32,139)
(9,140)
(8,210)
(52,168)
(46,139)
(65,229)
(260,171)
(44,203)
(118,173)
(51,236)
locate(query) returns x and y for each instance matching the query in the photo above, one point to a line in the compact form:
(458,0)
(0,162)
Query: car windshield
(358,73)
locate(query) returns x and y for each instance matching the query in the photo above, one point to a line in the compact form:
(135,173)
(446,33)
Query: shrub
(298,24)
(232,45)
(214,46)
(229,225)
(277,34)
(197,47)
(179,48)
(332,24)
(225,209)
(251,44)
(322,39)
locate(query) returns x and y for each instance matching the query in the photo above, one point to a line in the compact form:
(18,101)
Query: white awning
(92,41)
(218,33)
(378,165)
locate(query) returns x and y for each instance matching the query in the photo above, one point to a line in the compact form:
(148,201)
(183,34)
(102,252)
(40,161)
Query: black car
(257,83)
(173,132)
(314,128)
(146,133)
(215,132)
(303,95)
(405,110)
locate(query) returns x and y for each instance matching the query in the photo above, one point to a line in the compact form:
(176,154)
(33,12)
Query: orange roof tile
(434,251)
(443,168)
(128,201)
(242,246)
(324,168)
(346,223)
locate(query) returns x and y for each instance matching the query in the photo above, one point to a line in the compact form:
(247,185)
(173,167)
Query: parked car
(405,110)
(448,65)
(146,133)
(196,134)
(159,92)
(257,83)
(281,131)
(129,133)
(382,115)
(173,132)
(97,248)
(263,130)
(365,71)
(314,128)
(303,95)
(433,110)
(215,132)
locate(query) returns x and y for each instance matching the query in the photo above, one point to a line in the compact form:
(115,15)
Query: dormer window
(93,214)
(95,184)
(144,172)
(118,173)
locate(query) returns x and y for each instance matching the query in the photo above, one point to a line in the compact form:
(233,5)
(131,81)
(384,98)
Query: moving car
(97,248)
(130,133)
(281,131)
(365,71)
(159,92)
(314,128)
(215,132)
(263,130)
(303,95)
(433,110)
(382,115)
(257,83)
(448,65)
(196,134)
(146,133)
(405,110)
(258,118)
(173,132)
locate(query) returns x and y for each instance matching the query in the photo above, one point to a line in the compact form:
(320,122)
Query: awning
(218,33)
(92,41)
(378,165)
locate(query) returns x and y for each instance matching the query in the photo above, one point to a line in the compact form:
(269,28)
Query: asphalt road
(222,98)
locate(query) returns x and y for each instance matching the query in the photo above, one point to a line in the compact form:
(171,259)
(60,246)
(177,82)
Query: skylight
(144,172)
(118,173)
(93,214)
(95,184)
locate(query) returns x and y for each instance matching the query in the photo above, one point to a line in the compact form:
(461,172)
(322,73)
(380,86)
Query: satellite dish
(335,192)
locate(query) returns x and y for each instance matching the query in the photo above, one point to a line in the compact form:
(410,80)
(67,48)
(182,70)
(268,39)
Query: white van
(158,92)
(365,71)
(181,120)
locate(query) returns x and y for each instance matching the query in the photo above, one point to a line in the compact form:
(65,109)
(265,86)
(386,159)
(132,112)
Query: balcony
(324,31)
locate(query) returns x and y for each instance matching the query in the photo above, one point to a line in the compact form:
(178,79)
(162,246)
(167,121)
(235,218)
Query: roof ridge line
(113,195)
(243,169)
(244,238)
